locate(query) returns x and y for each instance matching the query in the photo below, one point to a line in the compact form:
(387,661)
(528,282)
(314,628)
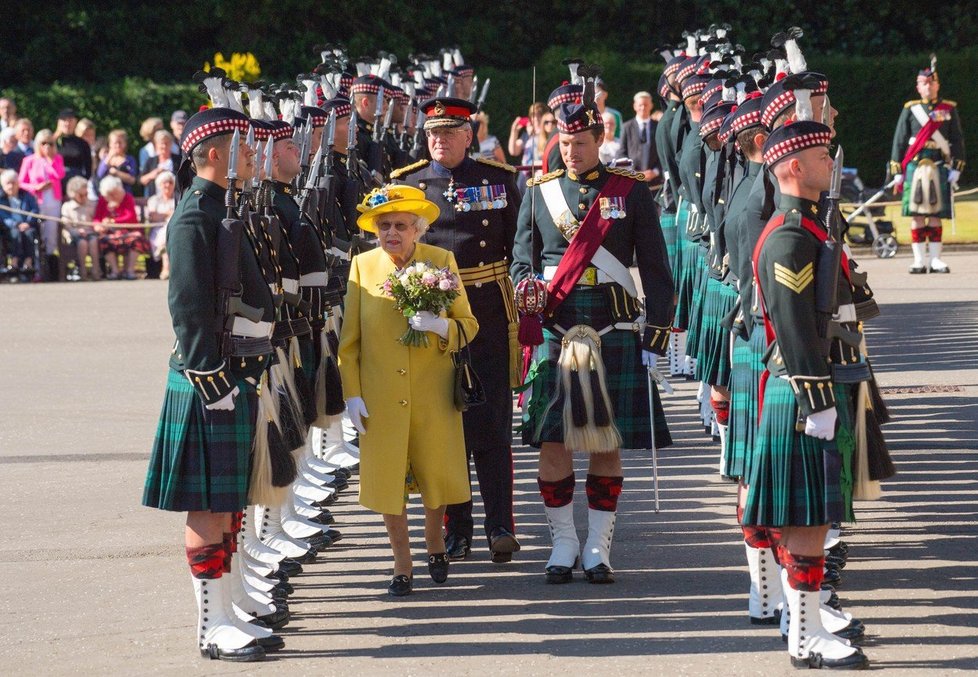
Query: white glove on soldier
(953,176)
(898,180)
(226,403)
(822,424)
(649,359)
(357,410)
(427,321)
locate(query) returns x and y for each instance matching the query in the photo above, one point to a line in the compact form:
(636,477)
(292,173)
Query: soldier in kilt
(202,455)
(802,477)
(592,319)
(926,163)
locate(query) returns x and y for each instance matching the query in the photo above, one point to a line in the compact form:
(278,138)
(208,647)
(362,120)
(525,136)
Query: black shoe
(601,573)
(333,535)
(856,661)
(325,517)
(835,562)
(502,546)
(918,270)
(832,576)
(558,575)
(840,549)
(290,567)
(278,619)
(438,567)
(400,586)
(938,271)
(271,643)
(457,547)
(247,654)
(326,502)
(767,620)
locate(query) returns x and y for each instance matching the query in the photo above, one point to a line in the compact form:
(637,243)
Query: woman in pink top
(41,174)
(116,206)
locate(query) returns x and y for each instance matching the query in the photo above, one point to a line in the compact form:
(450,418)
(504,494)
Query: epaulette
(544,178)
(908,104)
(409,169)
(627,173)
(950,103)
(498,165)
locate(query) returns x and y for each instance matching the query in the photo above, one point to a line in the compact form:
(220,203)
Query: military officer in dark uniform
(802,477)
(363,95)
(479,203)
(927,161)
(599,321)
(202,456)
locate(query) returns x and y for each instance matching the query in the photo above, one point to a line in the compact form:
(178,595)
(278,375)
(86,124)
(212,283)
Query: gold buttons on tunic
(482,243)
(583,189)
(478,285)
(422,185)
(485,182)
(582,206)
(485,222)
(403,403)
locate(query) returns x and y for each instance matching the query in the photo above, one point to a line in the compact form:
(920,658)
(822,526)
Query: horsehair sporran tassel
(322,420)
(581,346)
(579,417)
(302,385)
(602,417)
(261,490)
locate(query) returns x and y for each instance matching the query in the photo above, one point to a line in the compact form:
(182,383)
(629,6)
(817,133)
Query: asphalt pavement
(95,584)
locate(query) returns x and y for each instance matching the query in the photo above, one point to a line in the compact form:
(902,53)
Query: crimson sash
(923,136)
(776,222)
(585,242)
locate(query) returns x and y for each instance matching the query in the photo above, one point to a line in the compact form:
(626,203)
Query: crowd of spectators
(69,194)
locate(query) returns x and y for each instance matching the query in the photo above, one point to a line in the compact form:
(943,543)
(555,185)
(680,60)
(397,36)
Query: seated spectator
(25,136)
(20,230)
(79,210)
(116,206)
(8,113)
(159,209)
(610,149)
(10,155)
(85,130)
(146,131)
(489,146)
(116,163)
(161,161)
(41,175)
(75,150)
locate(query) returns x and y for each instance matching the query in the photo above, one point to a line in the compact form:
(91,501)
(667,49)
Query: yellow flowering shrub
(240,67)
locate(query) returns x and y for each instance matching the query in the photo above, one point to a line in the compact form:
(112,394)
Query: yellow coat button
(403,403)
(402,371)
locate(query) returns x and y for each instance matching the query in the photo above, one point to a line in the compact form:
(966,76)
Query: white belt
(290,286)
(847,313)
(602,277)
(637,326)
(340,253)
(314,279)
(245,327)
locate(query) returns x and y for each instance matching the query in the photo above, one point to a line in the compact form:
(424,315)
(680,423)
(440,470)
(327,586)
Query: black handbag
(468,387)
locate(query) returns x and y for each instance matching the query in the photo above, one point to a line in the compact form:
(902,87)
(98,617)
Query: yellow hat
(392,198)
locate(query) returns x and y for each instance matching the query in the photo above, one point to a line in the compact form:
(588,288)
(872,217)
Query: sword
(655,453)
(954,222)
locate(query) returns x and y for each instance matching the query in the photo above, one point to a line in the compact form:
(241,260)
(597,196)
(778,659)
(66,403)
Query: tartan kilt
(670,233)
(121,240)
(682,218)
(745,375)
(713,351)
(687,253)
(945,186)
(625,377)
(201,460)
(797,480)
(700,272)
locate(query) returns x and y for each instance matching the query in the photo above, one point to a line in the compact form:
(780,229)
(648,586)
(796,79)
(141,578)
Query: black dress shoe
(271,643)
(247,654)
(400,586)
(856,661)
(840,549)
(277,619)
(342,472)
(774,619)
(326,502)
(837,562)
(438,567)
(457,547)
(832,576)
(290,567)
(502,545)
(333,535)
(557,575)
(918,270)
(601,573)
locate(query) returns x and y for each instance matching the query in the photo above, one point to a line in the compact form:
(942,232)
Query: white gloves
(898,180)
(649,359)
(952,177)
(357,410)
(226,403)
(427,321)
(821,424)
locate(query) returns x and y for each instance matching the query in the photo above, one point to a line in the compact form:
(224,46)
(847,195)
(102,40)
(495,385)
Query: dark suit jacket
(642,157)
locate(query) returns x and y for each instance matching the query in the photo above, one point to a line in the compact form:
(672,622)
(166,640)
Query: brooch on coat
(612,207)
(480,198)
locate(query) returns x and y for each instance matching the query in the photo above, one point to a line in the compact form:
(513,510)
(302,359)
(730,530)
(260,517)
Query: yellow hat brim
(426,209)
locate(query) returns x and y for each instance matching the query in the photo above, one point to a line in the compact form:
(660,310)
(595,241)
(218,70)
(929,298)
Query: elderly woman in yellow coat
(400,397)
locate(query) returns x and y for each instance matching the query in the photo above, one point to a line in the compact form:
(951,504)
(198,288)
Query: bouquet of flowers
(421,287)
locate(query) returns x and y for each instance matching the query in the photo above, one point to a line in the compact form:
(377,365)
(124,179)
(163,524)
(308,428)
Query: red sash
(776,222)
(582,246)
(923,136)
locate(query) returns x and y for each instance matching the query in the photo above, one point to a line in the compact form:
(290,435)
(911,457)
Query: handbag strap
(465,347)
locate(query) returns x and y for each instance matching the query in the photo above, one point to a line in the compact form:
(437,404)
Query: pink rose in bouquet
(421,286)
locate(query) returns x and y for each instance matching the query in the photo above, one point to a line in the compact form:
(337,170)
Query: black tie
(643,138)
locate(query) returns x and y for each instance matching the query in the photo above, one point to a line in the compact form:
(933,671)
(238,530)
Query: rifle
(229,287)
(829,263)
(378,113)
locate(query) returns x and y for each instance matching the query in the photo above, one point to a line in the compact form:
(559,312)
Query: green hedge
(868,92)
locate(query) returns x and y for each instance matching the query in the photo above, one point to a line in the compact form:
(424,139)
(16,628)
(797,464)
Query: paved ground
(96,584)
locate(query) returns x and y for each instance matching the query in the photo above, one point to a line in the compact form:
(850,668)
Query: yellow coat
(408,392)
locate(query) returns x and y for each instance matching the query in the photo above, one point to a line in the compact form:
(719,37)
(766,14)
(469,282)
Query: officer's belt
(250,347)
(498,272)
(314,279)
(846,313)
(245,328)
(489,272)
(637,326)
(592,276)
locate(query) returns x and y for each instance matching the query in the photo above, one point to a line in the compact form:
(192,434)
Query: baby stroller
(876,231)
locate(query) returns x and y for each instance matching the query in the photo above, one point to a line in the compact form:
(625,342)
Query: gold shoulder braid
(420,164)
(498,165)
(545,177)
(627,173)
